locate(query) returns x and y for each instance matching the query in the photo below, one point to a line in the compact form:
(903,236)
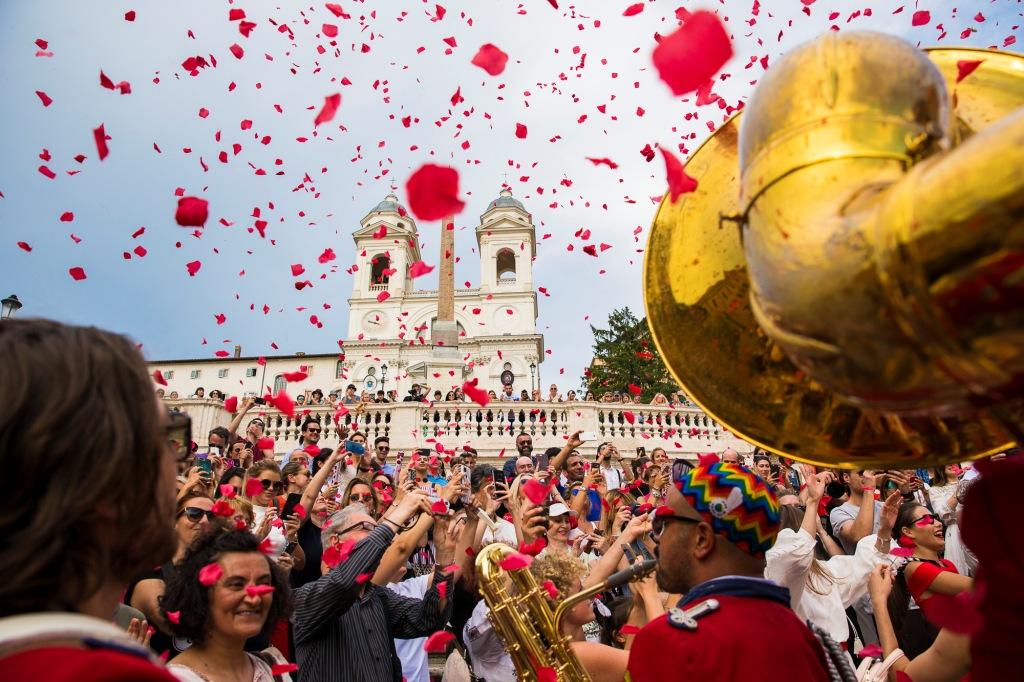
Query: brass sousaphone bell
(846,284)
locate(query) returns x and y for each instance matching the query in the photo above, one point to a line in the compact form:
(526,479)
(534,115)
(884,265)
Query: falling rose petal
(921,18)
(964,68)
(331,104)
(692,55)
(222,509)
(477,395)
(419,268)
(297,269)
(707,459)
(326,257)
(535,491)
(266,547)
(231,404)
(192,212)
(442,590)
(520,131)
(100,135)
(279,669)
(67,217)
(679,182)
(550,588)
(603,162)
(210,574)
(129,15)
(433,192)
(282,402)
(336,9)
(516,561)
(363,577)
(158,377)
(47,172)
(265,443)
(44,98)
(633,10)
(439,507)
(438,642)
(634,389)
(491,59)
(237,50)
(258,590)
(227,490)
(332,556)
(77,273)
(193,267)
(383,296)
(629,416)
(253,487)
(381,232)
(294,377)
(174,617)
(329,30)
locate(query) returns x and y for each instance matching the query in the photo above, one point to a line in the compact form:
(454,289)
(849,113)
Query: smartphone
(399,459)
(355,447)
(214,450)
(204,465)
(467,496)
(542,462)
(588,435)
(290,503)
(641,451)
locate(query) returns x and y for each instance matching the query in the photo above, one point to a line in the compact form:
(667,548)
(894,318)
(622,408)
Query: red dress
(745,639)
(71,664)
(924,575)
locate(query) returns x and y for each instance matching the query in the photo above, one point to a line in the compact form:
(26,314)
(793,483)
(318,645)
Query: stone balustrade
(681,431)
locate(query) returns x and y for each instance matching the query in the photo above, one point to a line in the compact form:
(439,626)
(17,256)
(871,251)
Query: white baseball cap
(558,509)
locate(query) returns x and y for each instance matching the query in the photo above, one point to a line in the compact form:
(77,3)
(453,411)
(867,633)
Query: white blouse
(789,564)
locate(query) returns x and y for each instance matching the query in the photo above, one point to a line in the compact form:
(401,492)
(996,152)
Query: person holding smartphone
(608,456)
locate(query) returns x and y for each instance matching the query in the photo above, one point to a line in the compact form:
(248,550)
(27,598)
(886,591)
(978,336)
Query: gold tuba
(846,284)
(523,619)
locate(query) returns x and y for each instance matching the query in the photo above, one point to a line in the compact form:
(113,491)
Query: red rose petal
(633,9)
(439,507)
(283,668)
(535,491)
(210,574)
(294,377)
(227,490)
(193,268)
(231,404)
(44,98)
(129,15)
(192,212)
(174,617)
(679,182)
(253,487)
(100,136)
(329,30)
(547,674)
(237,50)
(477,395)
(920,18)
(419,268)
(258,590)
(438,642)
(336,9)
(77,273)
(551,589)
(491,59)
(266,547)
(515,561)
(47,172)
(67,217)
(265,444)
(689,57)
(629,416)
(520,131)
(964,68)
(331,104)
(433,192)
(383,296)
(158,377)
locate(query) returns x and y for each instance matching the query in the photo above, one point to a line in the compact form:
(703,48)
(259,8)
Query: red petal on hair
(433,192)
(174,616)
(210,574)
(258,590)
(679,182)
(158,377)
(100,136)
(491,59)
(266,547)
(227,490)
(438,642)
(689,57)
(192,212)
(551,589)
(633,9)
(331,104)
(231,404)
(964,68)
(283,668)
(253,487)
(77,273)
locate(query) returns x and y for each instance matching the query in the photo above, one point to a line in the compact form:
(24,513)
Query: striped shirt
(340,635)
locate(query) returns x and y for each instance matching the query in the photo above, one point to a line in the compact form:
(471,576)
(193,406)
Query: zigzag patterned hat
(735,502)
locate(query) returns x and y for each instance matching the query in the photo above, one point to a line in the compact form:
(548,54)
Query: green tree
(625,354)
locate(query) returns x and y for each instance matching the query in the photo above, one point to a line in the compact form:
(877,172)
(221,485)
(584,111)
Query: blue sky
(353,161)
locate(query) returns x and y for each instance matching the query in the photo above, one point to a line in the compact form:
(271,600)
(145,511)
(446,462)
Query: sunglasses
(383,448)
(195,514)
(661,520)
(309,430)
(925,520)
(360,497)
(267,484)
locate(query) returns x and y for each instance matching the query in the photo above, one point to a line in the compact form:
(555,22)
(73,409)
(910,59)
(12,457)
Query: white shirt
(503,532)
(486,650)
(415,666)
(612,477)
(276,536)
(789,564)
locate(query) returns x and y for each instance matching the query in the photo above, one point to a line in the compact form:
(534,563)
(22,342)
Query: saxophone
(522,617)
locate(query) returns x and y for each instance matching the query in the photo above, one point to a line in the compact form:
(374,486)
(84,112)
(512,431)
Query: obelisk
(445,361)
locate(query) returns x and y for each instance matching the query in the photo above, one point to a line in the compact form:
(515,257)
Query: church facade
(388,342)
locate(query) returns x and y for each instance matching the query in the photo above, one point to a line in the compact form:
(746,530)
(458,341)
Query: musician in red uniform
(88,444)
(731,623)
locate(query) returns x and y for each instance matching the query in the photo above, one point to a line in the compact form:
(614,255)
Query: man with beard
(93,509)
(524,446)
(711,544)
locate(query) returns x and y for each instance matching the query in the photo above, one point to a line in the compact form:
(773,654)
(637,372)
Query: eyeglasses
(310,430)
(195,514)
(383,448)
(368,526)
(267,484)
(661,520)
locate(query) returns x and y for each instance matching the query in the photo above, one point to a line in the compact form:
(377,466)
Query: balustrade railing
(681,431)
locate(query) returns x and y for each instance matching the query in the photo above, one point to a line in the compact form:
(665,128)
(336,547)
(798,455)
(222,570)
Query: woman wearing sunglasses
(193,516)
(925,574)
(358,491)
(264,482)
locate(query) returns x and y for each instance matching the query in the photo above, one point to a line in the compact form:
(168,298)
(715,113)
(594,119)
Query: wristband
(397,527)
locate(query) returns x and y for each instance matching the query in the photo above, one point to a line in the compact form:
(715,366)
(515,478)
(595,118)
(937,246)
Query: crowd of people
(135,553)
(420,392)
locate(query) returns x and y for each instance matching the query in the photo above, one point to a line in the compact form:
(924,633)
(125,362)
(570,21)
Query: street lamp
(11,305)
(384,377)
(533,373)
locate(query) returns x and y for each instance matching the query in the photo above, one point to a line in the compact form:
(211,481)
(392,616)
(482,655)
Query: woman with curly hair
(225,592)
